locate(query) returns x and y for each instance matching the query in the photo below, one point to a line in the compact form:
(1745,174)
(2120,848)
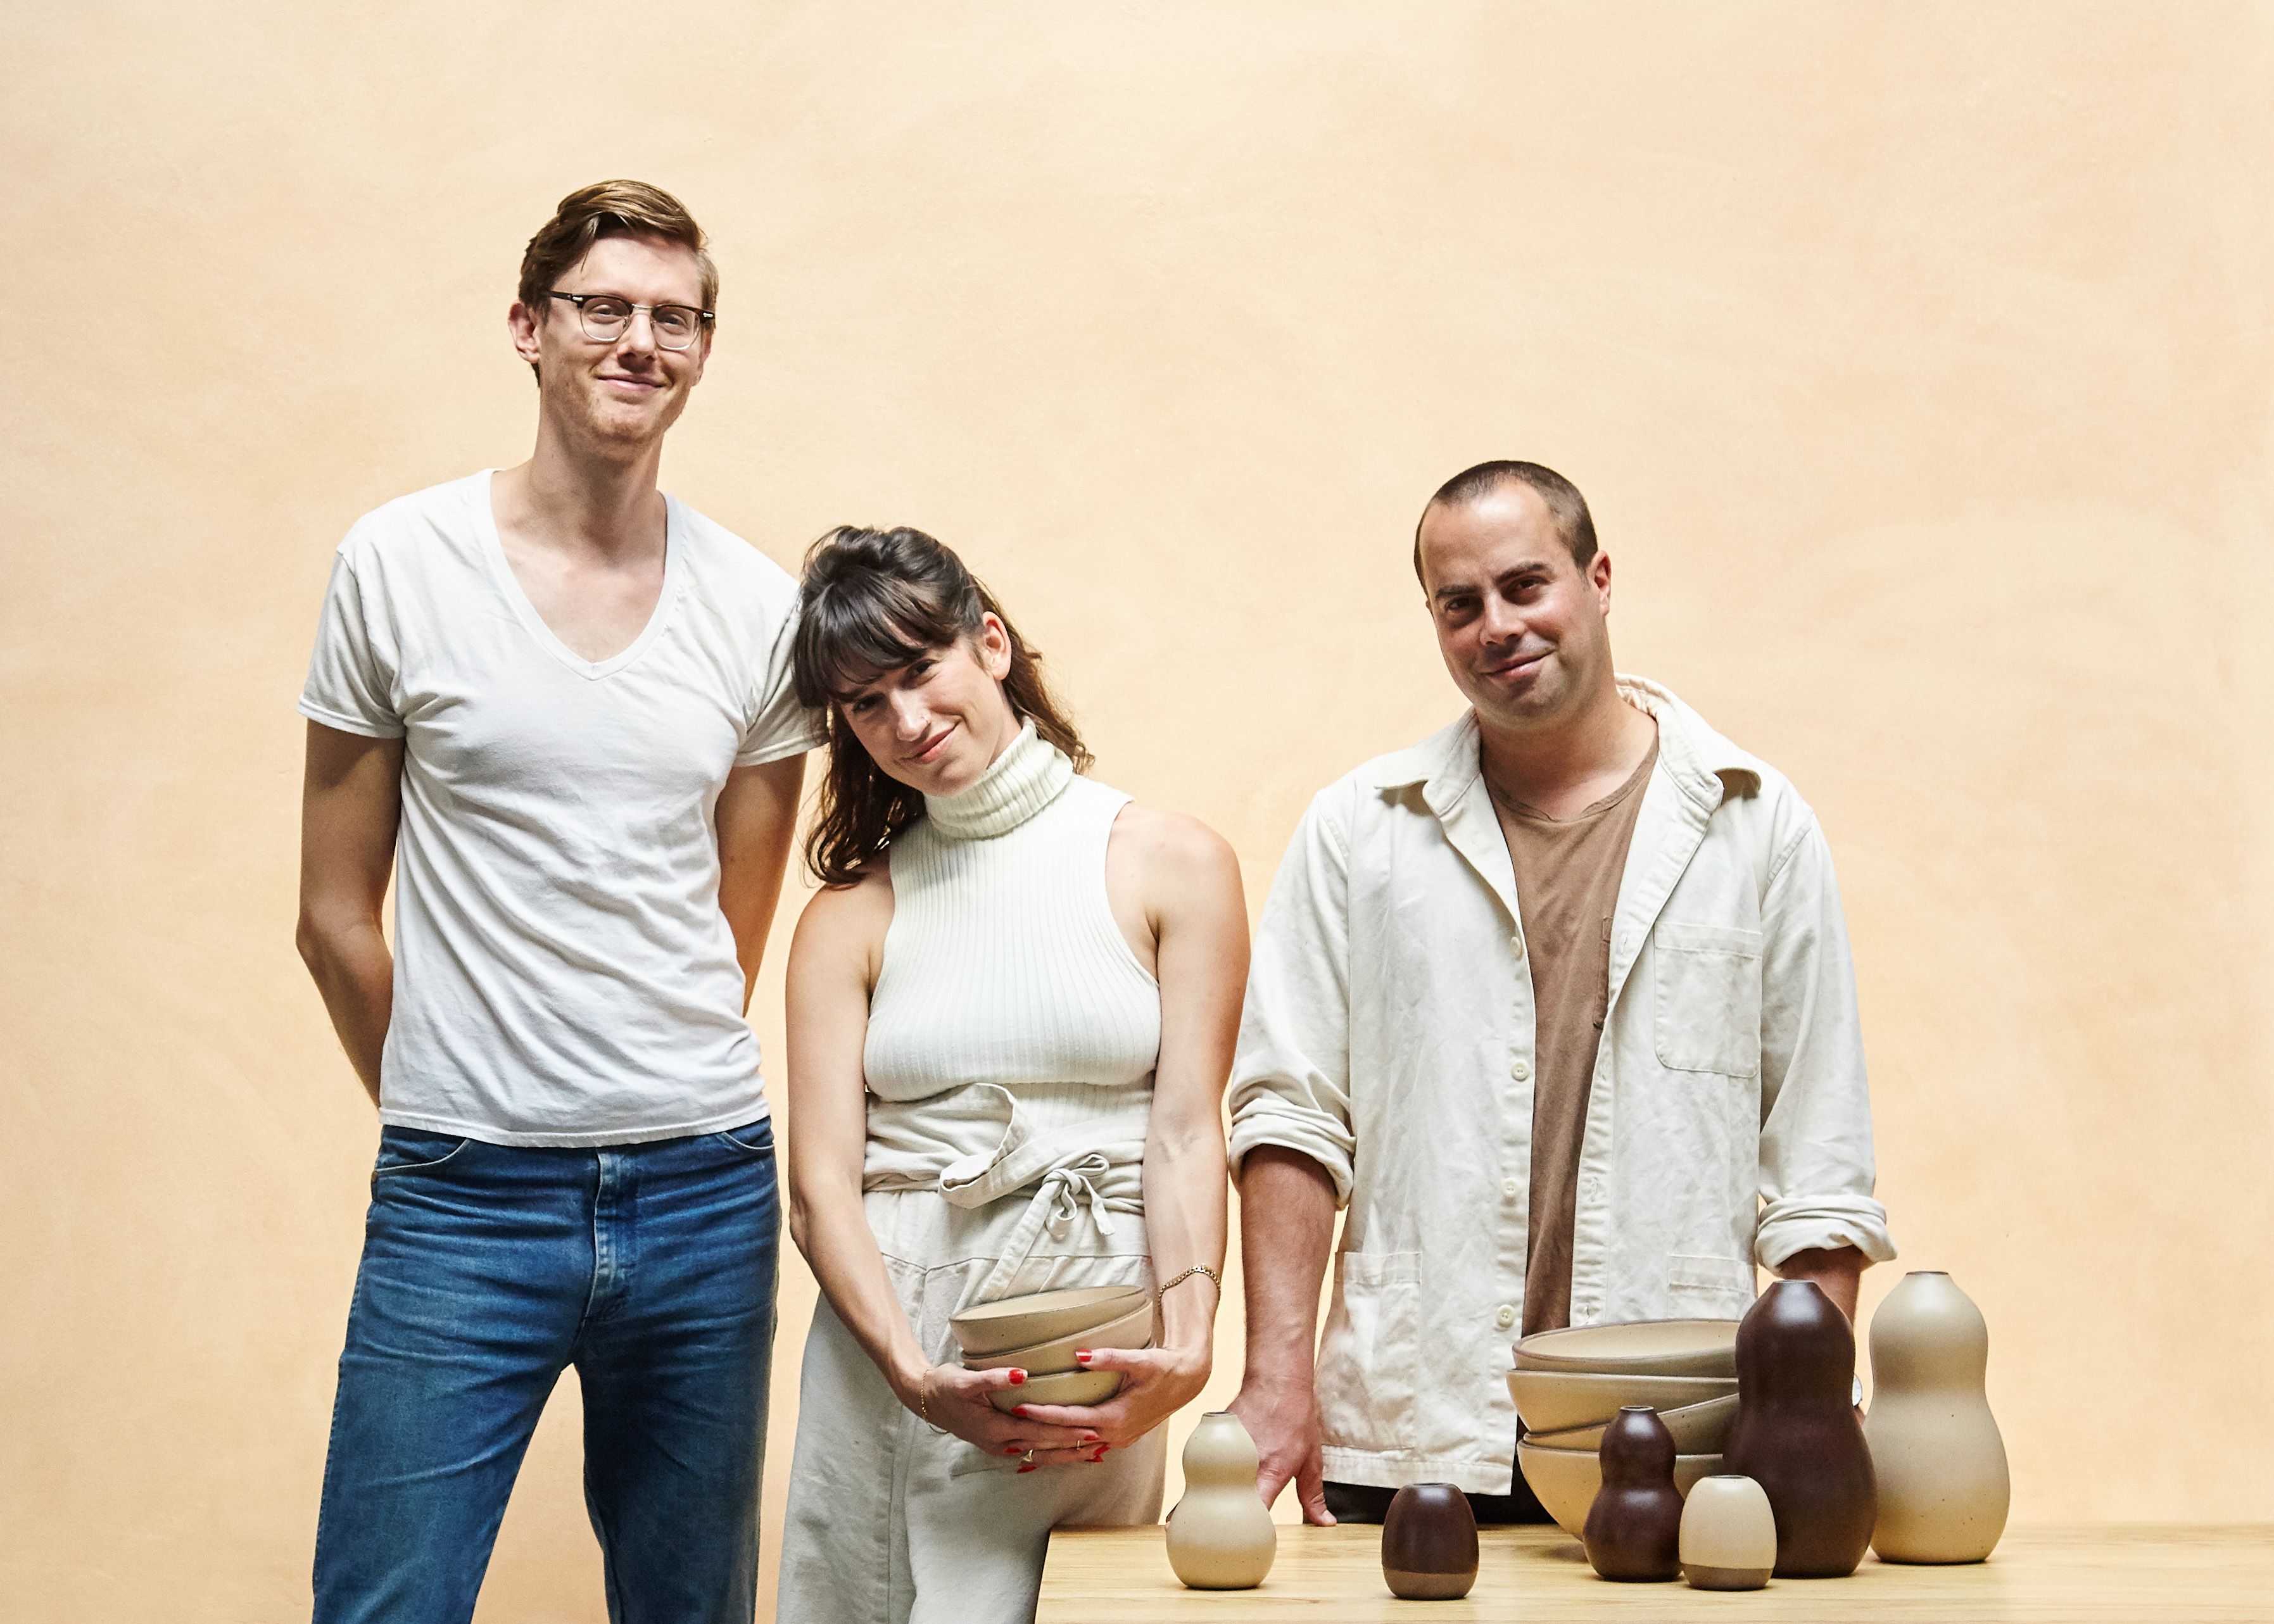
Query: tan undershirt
(1567,888)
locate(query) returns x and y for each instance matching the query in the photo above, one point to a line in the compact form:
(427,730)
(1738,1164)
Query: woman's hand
(955,1400)
(1155,1383)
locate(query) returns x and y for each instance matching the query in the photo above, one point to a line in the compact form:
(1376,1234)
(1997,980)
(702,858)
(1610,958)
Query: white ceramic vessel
(1567,1480)
(1558,1401)
(1697,1429)
(1220,1535)
(1944,1489)
(1728,1534)
(1637,1347)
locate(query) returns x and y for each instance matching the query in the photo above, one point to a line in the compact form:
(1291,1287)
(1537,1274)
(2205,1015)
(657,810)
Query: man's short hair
(1573,522)
(610,208)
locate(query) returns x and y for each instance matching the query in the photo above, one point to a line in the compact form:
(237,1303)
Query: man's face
(620,394)
(1522,628)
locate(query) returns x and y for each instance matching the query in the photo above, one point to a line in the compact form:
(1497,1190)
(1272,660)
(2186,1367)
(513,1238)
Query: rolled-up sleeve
(1817,1165)
(1291,1076)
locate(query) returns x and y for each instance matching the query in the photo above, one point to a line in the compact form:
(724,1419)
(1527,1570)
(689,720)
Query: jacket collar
(1707,767)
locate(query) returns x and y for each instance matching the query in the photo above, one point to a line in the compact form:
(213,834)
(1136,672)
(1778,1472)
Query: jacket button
(1521,1069)
(1508,1188)
(1515,946)
(1505,1317)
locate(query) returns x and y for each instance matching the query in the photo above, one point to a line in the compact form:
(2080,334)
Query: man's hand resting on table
(1282,1417)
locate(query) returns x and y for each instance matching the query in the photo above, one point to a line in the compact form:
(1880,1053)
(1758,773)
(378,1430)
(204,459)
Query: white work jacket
(1389,1036)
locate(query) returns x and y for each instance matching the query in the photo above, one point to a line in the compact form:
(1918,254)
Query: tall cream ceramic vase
(1220,1535)
(1943,1485)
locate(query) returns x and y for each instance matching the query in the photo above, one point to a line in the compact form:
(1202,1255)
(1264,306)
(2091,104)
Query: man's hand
(1282,1417)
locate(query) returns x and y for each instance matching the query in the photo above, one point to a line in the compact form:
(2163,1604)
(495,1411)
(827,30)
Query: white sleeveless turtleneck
(1003,964)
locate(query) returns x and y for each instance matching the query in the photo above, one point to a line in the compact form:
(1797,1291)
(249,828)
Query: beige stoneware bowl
(1697,1429)
(1134,1329)
(1021,1321)
(1558,1401)
(1640,1348)
(1065,1387)
(1566,1479)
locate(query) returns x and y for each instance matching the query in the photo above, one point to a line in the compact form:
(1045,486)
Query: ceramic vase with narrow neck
(1633,1530)
(1429,1543)
(1728,1535)
(1943,1485)
(1220,1535)
(1797,1433)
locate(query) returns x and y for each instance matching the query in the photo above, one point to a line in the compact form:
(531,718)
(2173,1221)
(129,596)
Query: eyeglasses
(604,316)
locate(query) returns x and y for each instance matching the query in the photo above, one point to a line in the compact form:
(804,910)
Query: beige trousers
(890,1520)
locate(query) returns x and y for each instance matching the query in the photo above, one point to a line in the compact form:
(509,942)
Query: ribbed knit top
(1003,963)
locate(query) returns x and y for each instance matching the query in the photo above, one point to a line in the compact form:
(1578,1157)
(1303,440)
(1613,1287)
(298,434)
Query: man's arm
(1837,1270)
(756,815)
(350,805)
(1286,1227)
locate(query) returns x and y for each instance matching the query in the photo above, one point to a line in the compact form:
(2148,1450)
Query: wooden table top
(1538,1575)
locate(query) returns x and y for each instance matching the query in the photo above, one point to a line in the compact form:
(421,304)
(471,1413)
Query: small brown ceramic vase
(1429,1543)
(1728,1535)
(1797,1433)
(1633,1530)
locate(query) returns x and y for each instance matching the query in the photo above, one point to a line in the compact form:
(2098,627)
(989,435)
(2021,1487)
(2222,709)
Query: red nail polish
(1023,1470)
(1082,1356)
(1100,1456)
(1012,1449)
(1021,1411)
(1017,1378)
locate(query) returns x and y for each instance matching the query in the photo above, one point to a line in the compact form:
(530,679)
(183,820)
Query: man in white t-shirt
(555,704)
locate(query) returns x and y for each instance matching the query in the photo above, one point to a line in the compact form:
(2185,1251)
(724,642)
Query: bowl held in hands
(1079,1386)
(1220,1535)
(1134,1329)
(989,1328)
(1429,1543)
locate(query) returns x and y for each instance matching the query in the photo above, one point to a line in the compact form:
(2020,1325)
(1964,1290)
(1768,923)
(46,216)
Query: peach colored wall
(1917,358)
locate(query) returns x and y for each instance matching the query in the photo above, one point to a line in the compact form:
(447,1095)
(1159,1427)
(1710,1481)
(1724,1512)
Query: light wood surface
(1538,1575)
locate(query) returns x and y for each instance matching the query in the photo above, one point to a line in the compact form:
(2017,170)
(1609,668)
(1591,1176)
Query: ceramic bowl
(1022,1321)
(1558,1401)
(1066,1387)
(1566,1479)
(1640,1348)
(1697,1429)
(1134,1329)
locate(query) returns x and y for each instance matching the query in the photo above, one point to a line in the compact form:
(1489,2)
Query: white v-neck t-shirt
(563,974)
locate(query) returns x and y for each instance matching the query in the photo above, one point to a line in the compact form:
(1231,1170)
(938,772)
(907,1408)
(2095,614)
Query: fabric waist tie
(982,1142)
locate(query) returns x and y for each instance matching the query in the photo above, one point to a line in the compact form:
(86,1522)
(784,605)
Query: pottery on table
(1728,1535)
(1558,1401)
(1633,1530)
(1429,1543)
(990,1328)
(1697,1429)
(1134,1329)
(1566,1480)
(1079,1386)
(1220,1535)
(1944,1490)
(1638,1348)
(1797,1433)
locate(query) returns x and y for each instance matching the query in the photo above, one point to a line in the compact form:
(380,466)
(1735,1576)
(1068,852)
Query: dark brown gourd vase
(1429,1543)
(1633,1530)
(1797,1433)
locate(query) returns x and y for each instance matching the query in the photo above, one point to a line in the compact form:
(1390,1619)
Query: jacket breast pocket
(1708,998)
(1366,1378)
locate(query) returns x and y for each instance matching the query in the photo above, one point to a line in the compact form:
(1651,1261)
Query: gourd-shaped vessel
(1220,1535)
(1797,1433)
(1943,1485)
(1633,1530)
(1429,1543)
(1728,1535)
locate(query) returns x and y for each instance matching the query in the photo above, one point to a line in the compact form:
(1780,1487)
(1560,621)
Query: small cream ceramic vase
(1220,1535)
(1728,1535)
(1943,1487)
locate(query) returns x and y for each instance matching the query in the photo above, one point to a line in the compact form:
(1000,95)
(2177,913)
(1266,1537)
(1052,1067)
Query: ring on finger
(1028,1457)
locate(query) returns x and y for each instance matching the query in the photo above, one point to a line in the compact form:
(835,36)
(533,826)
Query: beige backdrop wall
(1917,360)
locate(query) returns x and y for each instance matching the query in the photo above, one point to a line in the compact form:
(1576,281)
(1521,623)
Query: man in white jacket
(1558,1004)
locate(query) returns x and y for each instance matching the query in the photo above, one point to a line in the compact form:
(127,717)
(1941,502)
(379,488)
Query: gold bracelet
(1197,1268)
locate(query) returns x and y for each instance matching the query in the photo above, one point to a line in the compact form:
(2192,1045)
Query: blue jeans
(486,1271)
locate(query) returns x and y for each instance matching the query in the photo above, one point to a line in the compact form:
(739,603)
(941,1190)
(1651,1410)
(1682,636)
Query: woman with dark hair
(1012,1011)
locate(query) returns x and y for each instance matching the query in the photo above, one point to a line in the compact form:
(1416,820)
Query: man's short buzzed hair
(1573,522)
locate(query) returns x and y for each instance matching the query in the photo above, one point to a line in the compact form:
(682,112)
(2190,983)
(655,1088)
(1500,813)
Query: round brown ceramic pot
(1429,1543)
(1797,1433)
(1634,1528)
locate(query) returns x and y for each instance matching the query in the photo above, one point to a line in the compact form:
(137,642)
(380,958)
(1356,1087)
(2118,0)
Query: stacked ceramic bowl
(1568,1385)
(1041,1334)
